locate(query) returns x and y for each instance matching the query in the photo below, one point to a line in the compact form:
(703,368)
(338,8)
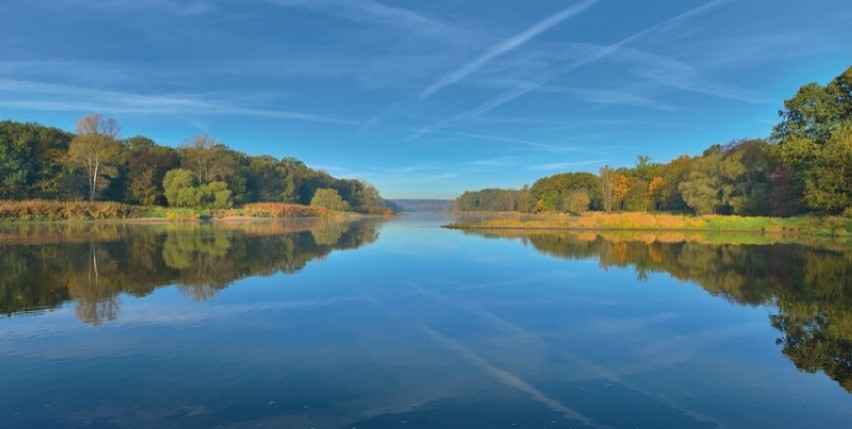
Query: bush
(329,199)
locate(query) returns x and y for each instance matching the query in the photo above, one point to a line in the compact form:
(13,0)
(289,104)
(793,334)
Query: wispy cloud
(53,97)
(566,165)
(178,7)
(527,143)
(505,46)
(595,54)
(669,72)
(621,98)
(374,12)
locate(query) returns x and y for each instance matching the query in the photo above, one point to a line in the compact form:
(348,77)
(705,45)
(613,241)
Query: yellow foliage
(286,210)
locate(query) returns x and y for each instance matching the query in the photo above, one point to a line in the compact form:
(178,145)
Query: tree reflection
(811,285)
(92,264)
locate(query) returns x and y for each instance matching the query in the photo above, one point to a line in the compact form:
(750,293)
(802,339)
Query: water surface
(396,325)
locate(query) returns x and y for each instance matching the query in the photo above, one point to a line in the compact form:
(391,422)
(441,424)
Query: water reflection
(810,284)
(46,265)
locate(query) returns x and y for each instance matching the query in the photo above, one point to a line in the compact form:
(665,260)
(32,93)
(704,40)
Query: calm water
(406,325)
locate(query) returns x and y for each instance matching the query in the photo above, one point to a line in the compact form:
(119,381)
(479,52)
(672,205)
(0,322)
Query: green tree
(96,149)
(828,184)
(215,195)
(180,187)
(14,170)
(702,189)
(808,146)
(330,199)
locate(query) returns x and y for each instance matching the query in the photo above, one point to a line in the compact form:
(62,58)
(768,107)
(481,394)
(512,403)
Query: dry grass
(66,210)
(827,225)
(283,210)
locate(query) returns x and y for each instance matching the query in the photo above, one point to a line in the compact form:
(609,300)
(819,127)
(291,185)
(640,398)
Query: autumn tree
(577,202)
(96,149)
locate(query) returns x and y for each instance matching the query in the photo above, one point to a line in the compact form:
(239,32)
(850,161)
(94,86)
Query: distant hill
(421,205)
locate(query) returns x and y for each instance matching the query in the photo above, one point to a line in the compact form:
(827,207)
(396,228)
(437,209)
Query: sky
(424,98)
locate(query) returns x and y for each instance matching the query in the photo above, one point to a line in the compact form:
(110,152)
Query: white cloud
(371,11)
(52,97)
(595,53)
(505,46)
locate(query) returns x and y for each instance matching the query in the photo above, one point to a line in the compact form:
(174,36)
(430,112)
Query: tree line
(95,163)
(804,166)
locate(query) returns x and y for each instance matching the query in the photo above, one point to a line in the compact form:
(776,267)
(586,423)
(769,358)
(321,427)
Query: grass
(819,225)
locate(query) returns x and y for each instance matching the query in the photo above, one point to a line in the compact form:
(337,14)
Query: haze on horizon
(424,99)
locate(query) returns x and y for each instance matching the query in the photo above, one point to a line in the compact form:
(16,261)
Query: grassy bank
(819,225)
(42,210)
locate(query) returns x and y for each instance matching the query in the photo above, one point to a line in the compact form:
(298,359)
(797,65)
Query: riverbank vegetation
(48,173)
(45,210)
(798,225)
(803,168)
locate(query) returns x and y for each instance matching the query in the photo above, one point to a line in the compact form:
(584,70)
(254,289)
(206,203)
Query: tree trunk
(93,184)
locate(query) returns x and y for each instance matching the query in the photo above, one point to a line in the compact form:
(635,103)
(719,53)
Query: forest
(95,164)
(804,166)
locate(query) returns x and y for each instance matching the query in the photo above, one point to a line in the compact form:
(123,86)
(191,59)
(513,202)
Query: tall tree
(607,183)
(207,158)
(808,146)
(96,149)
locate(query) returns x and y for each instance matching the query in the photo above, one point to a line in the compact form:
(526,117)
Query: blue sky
(424,98)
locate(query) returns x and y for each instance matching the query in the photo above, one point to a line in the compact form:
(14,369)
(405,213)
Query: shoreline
(835,226)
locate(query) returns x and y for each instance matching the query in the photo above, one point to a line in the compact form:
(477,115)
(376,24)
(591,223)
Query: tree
(655,191)
(95,149)
(145,172)
(808,146)
(828,184)
(702,189)
(207,158)
(180,187)
(13,171)
(368,197)
(578,202)
(215,195)
(606,180)
(329,199)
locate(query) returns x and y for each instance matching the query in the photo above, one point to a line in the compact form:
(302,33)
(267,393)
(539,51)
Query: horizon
(424,101)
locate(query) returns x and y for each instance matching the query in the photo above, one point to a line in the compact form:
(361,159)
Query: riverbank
(638,221)
(47,211)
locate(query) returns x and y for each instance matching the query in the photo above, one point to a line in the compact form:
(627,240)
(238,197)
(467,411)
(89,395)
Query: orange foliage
(620,186)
